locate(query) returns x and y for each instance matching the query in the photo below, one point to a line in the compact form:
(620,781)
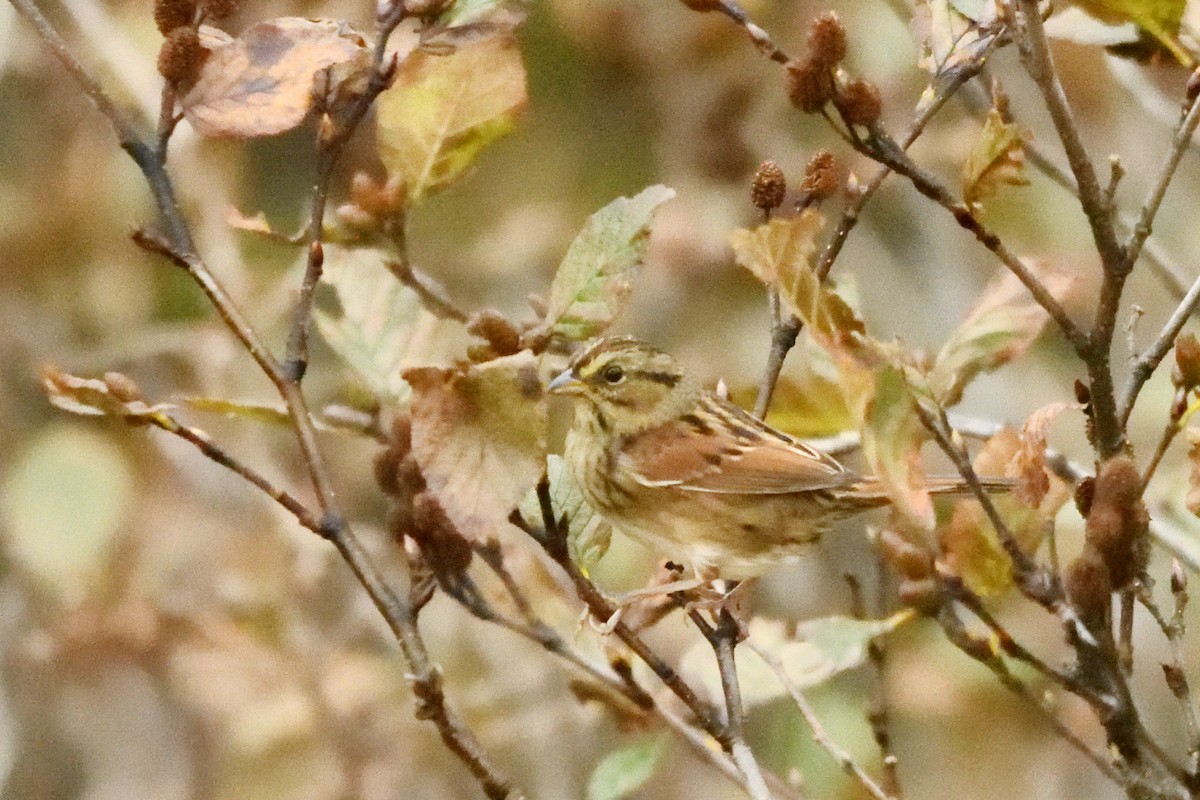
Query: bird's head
(628,383)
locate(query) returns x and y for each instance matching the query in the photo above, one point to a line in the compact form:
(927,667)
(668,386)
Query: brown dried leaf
(479,436)
(999,328)
(996,159)
(263,82)
(110,397)
(1028,464)
(970,545)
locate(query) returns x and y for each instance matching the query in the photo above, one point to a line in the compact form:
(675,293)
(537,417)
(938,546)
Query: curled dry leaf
(971,548)
(1028,464)
(479,436)
(999,328)
(996,159)
(263,82)
(441,110)
(114,396)
(595,277)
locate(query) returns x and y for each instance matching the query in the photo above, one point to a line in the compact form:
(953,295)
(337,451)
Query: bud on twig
(860,102)
(1179,580)
(769,186)
(809,84)
(1187,362)
(822,177)
(827,39)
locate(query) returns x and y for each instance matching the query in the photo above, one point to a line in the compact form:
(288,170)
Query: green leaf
(999,328)
(595,277)
(62,504)
(464,12)
(1160,18)
(891,445)
(587,534)
(625,769)
(381,324)
(443,109)
(996,159)
(479,436)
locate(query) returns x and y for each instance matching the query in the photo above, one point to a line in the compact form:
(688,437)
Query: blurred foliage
(168,633)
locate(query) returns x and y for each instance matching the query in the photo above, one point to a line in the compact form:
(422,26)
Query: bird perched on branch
(695,477)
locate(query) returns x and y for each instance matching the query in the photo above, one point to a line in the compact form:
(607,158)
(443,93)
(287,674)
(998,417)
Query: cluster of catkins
(179,22)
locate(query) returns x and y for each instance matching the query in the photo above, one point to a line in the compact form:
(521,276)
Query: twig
(431,295)
(760,38)
(723,638)
(552,538)
(1154,197)
(179,246)
(1149,360)
(843,758)
(1175,673)
(960,638)
(877,712)
(333,133)
(1035,54)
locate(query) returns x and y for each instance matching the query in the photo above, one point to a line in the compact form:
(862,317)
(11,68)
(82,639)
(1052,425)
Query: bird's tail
(872,492)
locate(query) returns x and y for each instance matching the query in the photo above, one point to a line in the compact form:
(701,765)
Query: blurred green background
(167,633)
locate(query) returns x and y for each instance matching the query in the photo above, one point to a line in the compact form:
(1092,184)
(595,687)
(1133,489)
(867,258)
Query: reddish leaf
(479,436)
(263,82)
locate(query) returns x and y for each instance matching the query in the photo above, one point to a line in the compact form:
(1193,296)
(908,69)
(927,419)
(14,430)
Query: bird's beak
(567,382)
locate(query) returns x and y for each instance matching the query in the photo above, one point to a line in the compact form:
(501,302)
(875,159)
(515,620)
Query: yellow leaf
(479,436)
(891,445)
(443,109)
(997,159)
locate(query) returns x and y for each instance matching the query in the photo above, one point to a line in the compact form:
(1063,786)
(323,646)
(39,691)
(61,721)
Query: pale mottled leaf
(380,326)
(624,770)
(996,159)
(1028,464)
(443,109)
(479,436)
(948,32)
(596,275)
(820,649)
(1000,327)
(970,545)
(264,81)
(62,501)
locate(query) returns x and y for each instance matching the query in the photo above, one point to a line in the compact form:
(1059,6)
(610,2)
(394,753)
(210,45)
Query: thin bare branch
(1154,197)
(1152,356)
(842,757)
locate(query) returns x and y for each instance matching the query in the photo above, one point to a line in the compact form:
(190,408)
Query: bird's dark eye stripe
(665,378)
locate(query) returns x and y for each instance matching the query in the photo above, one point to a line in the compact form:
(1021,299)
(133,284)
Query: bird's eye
(613,374)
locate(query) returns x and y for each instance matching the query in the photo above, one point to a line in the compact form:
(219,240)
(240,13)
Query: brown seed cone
(1187,361)
(172,14)
(809,84)
(180,56)
(860,102)
(822,176)
(497,331)
(769,186)
(1089,587)
(1118,522)
(827,39)
(220,9)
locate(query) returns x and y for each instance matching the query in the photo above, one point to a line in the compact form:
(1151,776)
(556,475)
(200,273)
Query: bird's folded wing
(728,452)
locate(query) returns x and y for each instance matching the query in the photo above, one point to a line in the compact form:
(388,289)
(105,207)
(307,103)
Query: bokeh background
(167,633)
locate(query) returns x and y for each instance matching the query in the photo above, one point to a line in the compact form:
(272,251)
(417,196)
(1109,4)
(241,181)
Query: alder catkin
(822,176)
(809,84)
(769,186)
(860,102)
(180,55)
(827,39)
(172,14)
